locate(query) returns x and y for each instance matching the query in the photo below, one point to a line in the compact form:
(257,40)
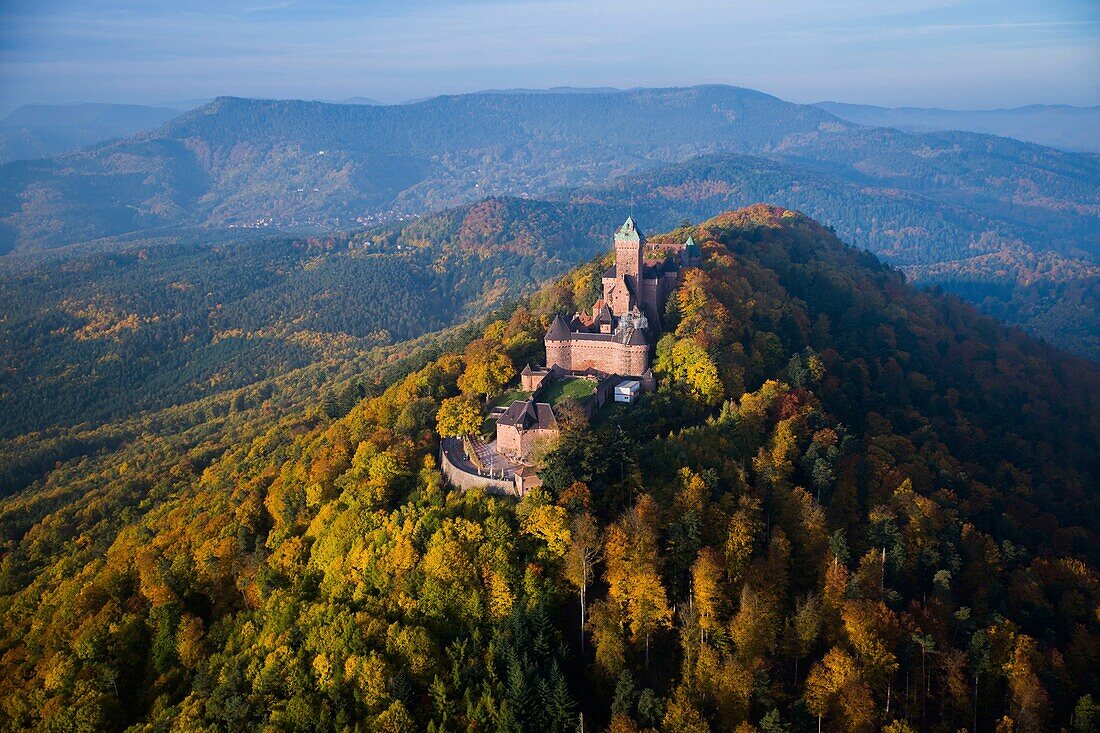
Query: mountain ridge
(831,458)
(35,130)
(936,198)
(1057,125)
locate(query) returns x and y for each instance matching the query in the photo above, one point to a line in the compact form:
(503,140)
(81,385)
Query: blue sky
(966,54)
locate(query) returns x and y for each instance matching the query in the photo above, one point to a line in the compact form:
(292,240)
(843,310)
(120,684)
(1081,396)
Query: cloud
(129,50)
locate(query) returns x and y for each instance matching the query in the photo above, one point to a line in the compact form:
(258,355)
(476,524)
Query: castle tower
(629,243)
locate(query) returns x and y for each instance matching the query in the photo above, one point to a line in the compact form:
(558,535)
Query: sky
(965,54)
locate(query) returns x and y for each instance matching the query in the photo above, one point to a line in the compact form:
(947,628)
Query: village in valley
(591,358)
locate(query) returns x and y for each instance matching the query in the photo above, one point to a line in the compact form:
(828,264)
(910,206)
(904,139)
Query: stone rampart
(461,479)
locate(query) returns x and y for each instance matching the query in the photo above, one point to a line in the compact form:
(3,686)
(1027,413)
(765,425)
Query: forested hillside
(144,322)
(109,330)
(849,505)
(1013,226)
(1051,289)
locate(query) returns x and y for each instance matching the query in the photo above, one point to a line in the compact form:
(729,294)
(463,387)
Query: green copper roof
(629,230)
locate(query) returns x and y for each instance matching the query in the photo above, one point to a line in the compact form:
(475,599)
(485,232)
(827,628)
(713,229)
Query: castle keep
(617,336)
(603,354)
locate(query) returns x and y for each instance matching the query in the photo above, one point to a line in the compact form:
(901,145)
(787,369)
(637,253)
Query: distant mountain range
(41,130)
(991,217)
(1057,125)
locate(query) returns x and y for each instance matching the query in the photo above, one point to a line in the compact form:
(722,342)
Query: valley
(1015,227)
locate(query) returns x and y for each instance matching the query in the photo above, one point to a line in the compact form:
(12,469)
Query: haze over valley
(1011,226)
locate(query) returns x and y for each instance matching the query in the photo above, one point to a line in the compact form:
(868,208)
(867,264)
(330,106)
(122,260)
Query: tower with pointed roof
(622,283)
(616,337)
(629,244)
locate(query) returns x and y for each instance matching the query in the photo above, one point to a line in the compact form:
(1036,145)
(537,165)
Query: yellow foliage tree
(550,524)
(458,416)
(708,595)
(488,368)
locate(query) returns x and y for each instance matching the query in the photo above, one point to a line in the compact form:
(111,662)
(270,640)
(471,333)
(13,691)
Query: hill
(259,162)
(145,322)
(1020,271)
(849,504)
(42,130)
(1056,125)
(1012,226)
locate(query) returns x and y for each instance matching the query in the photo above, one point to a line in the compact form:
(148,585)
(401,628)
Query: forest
(1010,225)
(147,322)
(850,506)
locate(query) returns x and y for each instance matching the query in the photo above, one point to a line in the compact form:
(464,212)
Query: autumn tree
(634,582)
(1029,698)
(687,365)
(835,688)
(488,368)
(741,539)
(584,548)
(546,521)
(458,416)
(707,592)
(753,628)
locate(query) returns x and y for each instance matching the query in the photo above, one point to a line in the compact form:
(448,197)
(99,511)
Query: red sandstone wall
(607,356)
(621,302)
(508,440)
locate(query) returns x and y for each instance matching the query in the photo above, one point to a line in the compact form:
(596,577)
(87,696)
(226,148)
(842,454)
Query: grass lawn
(509,397)
(564,389)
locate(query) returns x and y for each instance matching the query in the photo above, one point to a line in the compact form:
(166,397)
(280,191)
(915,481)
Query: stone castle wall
(515,443)
(463,480)
(619,302)
(605,356)
(533,380)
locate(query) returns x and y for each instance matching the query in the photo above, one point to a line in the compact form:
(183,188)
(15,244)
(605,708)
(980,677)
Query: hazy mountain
(527,91)
(41,130)
(553,90)
(238,161)
(185,104)
(241,162)
(1006,213)
(1056,125)
(361,100)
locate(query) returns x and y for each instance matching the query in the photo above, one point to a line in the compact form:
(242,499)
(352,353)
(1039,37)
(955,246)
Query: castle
(606,352)
(618,335)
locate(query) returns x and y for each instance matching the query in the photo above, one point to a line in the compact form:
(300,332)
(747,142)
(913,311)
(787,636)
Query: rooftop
(528,415)
(629,230)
